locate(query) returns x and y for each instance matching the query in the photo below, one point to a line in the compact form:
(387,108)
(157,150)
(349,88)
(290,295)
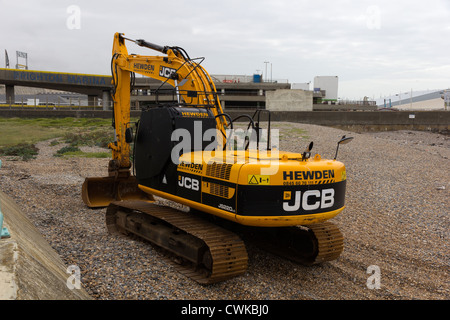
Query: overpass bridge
(234,95)
(94,86)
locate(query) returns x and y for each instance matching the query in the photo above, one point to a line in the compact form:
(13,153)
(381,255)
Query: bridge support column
(10,97)
(92,99)
(105,99)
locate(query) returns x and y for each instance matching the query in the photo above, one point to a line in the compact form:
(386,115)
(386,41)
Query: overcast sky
(376,47)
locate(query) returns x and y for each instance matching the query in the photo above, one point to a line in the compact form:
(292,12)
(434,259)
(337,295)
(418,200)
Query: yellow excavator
(236,186)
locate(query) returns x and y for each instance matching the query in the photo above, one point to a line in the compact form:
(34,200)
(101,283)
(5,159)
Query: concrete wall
(29,268)
(361,121)
(353,120)
(289,100)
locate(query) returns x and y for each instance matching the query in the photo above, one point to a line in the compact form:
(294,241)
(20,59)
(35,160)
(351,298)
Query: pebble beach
(396,223)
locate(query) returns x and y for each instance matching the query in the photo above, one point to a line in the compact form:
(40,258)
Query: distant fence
(346,105)
(43,106)
(357,102)
(75,104)
(68,103)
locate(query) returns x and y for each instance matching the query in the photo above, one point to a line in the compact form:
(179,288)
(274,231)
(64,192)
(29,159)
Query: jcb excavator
(183,152)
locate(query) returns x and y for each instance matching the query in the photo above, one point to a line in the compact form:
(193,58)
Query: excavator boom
(193,86)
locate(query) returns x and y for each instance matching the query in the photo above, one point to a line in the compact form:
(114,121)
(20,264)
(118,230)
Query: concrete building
(328,87)
(425,100)
(235,92)
(289,100)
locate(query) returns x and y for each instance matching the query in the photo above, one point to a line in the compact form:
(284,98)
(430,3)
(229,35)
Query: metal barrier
(33,102)
(4,233)
(61,106)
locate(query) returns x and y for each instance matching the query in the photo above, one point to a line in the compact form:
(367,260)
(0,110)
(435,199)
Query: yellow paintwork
(267,165)
(245,163)
(245,168)
(256,221)
(124,64)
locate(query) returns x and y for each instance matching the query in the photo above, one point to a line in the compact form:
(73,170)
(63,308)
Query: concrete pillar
(105,99)
(10,97)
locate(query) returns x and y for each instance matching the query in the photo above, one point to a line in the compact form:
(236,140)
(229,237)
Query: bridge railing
(76,104)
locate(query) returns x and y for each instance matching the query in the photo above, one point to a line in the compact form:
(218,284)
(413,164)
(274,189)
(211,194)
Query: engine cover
(159,133)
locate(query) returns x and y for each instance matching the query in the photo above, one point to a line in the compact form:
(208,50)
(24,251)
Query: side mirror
(307,152)
(344,140)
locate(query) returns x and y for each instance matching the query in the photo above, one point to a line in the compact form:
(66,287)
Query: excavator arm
(192,84)
(193,87)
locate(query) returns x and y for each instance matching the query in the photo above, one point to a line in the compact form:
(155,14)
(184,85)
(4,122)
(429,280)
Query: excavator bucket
(100,192)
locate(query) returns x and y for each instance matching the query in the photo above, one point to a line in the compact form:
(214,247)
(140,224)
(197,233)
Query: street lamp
(266,62)
(271,72)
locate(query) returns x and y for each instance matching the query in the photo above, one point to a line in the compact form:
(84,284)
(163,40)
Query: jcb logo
(189,183)
(311,200)
(166,72)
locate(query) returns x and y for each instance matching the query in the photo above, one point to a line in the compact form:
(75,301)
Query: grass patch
(59,122)
(14,131)
(12,134)
(65,150)
(74,151)
(297,132)
(82,154)
(25,151)
(18,136)
(98,137)
(92,154)
(55,142)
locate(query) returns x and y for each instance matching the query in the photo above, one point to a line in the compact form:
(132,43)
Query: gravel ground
(397,219)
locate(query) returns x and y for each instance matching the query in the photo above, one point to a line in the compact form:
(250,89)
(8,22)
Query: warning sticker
(255,179)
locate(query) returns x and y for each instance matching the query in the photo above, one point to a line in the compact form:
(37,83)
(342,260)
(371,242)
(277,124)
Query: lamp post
(271,73)
(266,62)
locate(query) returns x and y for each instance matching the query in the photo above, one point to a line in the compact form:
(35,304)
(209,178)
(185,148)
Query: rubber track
(228,252)
(330,241)
(307,245)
